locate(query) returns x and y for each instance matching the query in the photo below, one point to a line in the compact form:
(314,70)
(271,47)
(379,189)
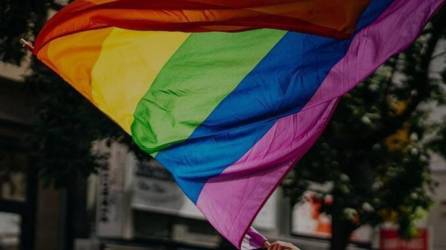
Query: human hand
(280,245)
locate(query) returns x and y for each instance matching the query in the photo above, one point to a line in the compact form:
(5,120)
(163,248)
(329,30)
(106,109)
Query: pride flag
(227,95)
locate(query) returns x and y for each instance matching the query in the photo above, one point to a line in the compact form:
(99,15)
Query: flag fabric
(227,95)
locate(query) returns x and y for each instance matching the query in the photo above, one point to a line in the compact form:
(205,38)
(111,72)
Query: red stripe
(198,16)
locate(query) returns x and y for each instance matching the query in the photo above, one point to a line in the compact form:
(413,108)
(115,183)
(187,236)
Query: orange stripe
(73,57)
(332,18)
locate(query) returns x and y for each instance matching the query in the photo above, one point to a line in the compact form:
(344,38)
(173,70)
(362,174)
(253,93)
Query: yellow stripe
(128,64)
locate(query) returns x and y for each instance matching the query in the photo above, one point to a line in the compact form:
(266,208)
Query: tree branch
(393,123)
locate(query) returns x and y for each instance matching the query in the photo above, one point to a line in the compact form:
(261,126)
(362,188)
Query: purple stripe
(253,240)
(231,200)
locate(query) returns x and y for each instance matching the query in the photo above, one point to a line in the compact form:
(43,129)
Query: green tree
(17,20)
(65,123)
(374,155)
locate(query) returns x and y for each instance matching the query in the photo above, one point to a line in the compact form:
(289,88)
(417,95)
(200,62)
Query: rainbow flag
(227,95)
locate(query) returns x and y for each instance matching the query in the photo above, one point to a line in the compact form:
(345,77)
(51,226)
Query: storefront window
(9,231)
(12,176)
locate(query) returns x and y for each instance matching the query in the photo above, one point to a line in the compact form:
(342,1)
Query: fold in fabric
(331,18)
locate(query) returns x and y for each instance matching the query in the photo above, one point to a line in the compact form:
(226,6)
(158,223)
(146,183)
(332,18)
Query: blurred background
(72,180)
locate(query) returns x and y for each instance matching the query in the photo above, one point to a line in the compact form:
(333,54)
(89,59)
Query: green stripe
(202,72)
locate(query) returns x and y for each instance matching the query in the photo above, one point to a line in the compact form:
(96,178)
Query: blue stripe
(281,84)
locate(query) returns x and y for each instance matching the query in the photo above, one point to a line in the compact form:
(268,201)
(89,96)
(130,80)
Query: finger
(267,244)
